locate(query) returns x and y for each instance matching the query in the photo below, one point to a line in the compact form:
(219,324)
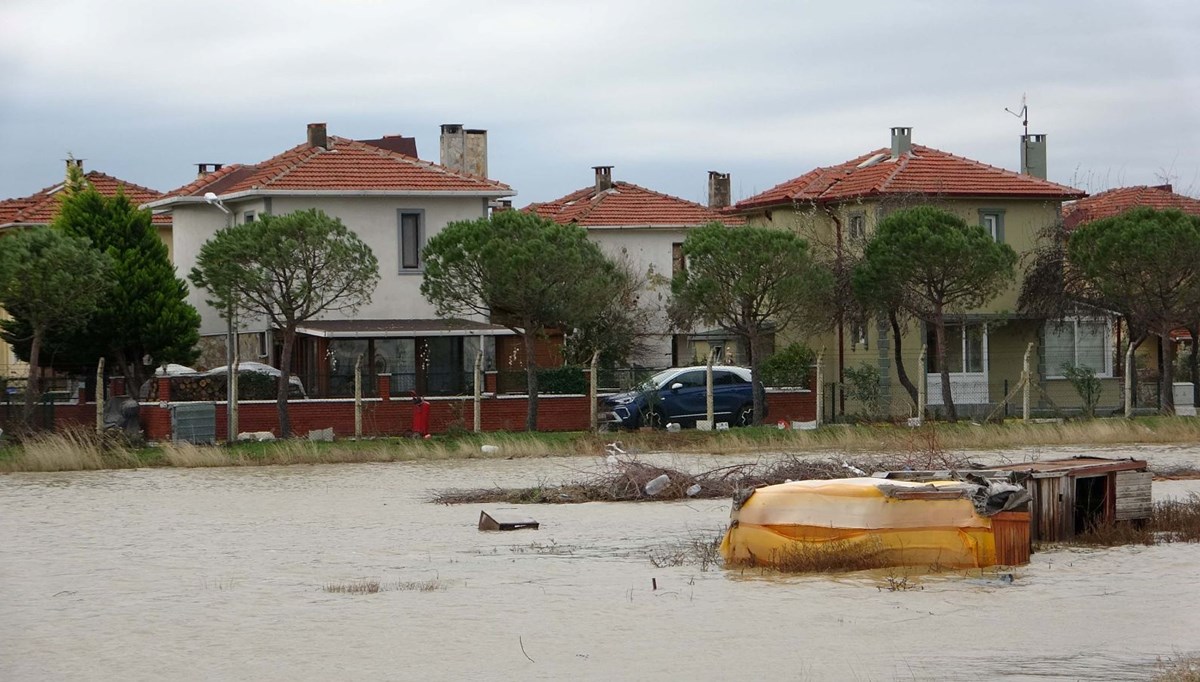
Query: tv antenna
(1023,114)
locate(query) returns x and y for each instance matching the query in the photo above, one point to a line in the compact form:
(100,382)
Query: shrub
(560,380)
(1083,380)
(788,367)
(862,385)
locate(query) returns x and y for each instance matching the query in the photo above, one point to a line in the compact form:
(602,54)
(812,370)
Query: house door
(967,358)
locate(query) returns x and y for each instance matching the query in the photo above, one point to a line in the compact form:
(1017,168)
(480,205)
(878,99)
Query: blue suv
(678,395)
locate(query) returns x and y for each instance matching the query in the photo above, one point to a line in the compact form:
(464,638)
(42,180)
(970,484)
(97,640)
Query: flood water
(218,574)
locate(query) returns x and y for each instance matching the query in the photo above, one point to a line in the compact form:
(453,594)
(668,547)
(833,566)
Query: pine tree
(146,314)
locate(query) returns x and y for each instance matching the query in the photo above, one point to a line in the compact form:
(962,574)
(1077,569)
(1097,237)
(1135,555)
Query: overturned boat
(873,522)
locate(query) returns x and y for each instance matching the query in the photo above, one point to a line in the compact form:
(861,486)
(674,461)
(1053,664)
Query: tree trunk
(531,378)
(939,328)
(285,377)
(1167,383)
(33,385)
(752,341)
(132,382)
(900,371)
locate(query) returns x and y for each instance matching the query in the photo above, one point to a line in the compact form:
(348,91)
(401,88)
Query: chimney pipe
(453,146)
(317,137)
(718,190)
(1033,155)
(901,141)
(603,177)
(203,169)
(73,162)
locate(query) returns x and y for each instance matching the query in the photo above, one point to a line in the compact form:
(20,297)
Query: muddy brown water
(218,574)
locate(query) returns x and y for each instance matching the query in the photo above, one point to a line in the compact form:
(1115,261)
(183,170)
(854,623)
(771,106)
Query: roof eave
(253,193)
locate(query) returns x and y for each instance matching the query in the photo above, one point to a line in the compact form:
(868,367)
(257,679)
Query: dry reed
(72,449)
(1173,520)
(1177,669)
(375,585)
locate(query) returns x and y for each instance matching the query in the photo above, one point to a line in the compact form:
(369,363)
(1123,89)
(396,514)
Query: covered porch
(431,357)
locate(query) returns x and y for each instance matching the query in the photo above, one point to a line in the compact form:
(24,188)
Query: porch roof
(376,329)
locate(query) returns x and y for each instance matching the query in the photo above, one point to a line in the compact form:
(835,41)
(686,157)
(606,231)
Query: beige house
(39,209)
(838,207)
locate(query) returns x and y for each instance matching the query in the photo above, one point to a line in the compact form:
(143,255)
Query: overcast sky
(663,91)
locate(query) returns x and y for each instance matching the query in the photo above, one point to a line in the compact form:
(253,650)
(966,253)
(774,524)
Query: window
(966,349)
(858,227)
(248,217)
(858,336)
(678,260)
(1078,342)
(992,220)
(692,379)
(412,239)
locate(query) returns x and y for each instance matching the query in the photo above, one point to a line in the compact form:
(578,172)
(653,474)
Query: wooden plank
(496,521)
(1134,497)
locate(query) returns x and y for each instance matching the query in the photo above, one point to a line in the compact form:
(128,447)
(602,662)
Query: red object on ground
(420,419)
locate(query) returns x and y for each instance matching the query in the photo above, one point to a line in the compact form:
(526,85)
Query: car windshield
(657,380)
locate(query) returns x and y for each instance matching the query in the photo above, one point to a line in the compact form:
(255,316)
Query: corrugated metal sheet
(1011,531)
(194,422)
(1133,495)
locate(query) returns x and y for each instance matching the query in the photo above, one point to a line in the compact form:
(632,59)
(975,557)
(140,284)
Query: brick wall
(393,417)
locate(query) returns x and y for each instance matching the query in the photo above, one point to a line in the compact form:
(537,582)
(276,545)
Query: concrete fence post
(358,396)
(708,389)
(819,416)
(593,392)
(477,421)
(1129,381)
(100,396)
(1027,379)
(922,384)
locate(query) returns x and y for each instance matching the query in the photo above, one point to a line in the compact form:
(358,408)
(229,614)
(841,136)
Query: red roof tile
(348,165)
(923,170)
(1114,201)
(39,208)
(628,205)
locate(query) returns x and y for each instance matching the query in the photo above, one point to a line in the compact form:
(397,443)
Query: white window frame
(857,226)
(961,328)
(1073,322)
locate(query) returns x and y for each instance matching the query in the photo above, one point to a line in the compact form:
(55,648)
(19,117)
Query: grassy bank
(79,450)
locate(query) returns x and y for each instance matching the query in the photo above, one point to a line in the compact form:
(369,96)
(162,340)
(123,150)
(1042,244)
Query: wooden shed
(1071,495)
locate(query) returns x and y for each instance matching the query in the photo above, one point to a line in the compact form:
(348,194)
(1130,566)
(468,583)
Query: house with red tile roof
(837,208)
(38,209)
(647,228)
(395,202)
(1113,202)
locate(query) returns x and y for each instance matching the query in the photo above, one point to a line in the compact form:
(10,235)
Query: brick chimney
(603,177)
(901,141)
(1033,155)
(317,137)
(718,190)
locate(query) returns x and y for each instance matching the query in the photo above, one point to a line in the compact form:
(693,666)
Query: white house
(648,228)
(394,202)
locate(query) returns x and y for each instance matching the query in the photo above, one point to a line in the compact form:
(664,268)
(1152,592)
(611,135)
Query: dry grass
(834,556)
(73,449)
(700,549)
(1174,520)
(375,585)
(1178,669)
(924,447)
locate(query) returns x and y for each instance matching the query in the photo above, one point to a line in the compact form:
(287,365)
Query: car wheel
(745,416)
(652,418)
